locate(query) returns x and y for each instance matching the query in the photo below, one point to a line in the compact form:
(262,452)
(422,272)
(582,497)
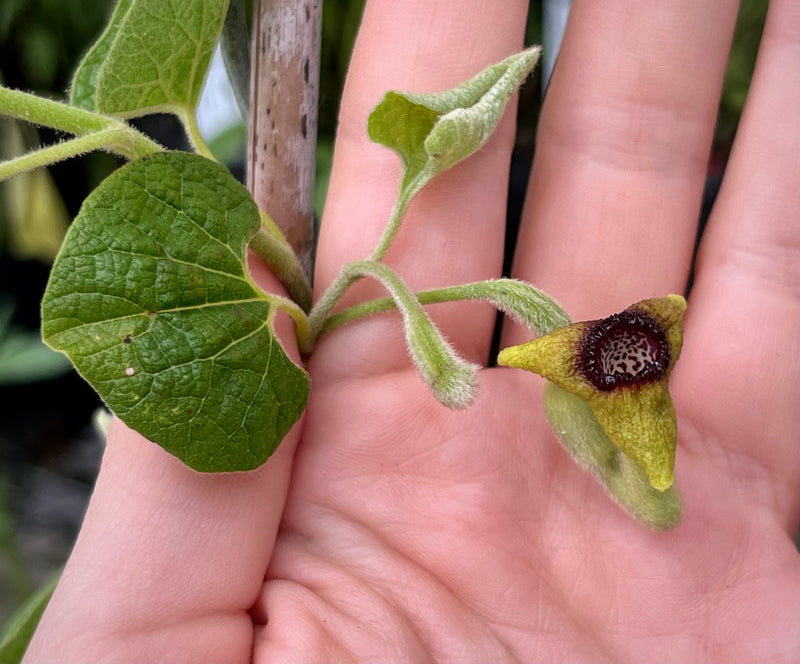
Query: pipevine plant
(151,299)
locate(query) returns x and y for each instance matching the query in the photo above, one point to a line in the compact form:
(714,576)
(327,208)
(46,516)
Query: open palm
(388,528)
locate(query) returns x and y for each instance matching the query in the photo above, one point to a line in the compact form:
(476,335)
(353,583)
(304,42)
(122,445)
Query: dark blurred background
(50,440)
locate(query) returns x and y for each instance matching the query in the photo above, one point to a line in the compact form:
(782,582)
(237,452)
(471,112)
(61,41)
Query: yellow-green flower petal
(641,422)
(620,366)
(553,356)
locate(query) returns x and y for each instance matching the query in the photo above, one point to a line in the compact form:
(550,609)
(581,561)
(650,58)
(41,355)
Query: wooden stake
(283,116)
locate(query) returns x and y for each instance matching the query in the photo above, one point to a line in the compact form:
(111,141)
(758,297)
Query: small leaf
(153,57)
(151,300)
(432,132)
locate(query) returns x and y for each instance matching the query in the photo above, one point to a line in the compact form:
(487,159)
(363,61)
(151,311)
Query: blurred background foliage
(49,450)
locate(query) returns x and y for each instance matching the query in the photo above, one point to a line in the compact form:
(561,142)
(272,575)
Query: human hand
(387,528)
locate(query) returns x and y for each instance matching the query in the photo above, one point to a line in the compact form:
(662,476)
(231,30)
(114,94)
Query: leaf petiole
(189,121)
(299,316)
(396,218)
(271,246)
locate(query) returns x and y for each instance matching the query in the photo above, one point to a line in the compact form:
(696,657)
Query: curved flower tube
(620,366)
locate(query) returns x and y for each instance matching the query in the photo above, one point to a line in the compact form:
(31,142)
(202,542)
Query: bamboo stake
(283,116)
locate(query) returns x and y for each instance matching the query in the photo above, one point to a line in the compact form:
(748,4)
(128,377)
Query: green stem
(113,139)
(450,377)
(297,314)
(50,113)
(196,139)
(269,226)
(319,313)
(132,144)
(398,212)
(94,132)
(526,304)
(402,297)
(347,277)
(350,273)
(269,244)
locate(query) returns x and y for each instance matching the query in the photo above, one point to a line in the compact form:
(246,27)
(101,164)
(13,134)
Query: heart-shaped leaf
(151,300)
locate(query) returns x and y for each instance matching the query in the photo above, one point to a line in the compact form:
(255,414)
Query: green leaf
(151,299)
(432,132)
(152,57)
(83,91)
(581,434)
(22,624)
(230,145)
(25,359)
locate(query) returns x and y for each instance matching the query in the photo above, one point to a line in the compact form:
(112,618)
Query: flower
(620,366)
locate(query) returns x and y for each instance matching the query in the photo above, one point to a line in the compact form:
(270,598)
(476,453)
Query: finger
(745,312)
(454,229)
(168,557)
(622,148)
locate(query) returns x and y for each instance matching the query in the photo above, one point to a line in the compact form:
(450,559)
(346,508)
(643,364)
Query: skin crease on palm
(389,529)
